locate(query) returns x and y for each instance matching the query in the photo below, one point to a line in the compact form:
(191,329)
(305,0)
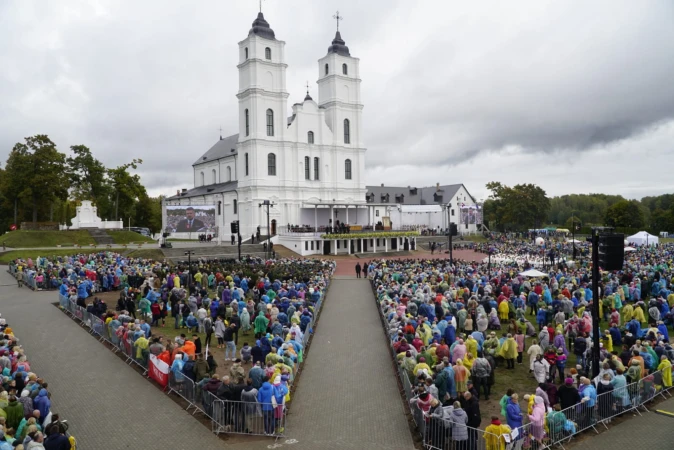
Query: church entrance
(407,244)
(394,243)
(273,227)
(326,247)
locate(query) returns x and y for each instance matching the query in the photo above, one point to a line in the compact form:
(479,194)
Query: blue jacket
(513,415)
(42,403)
(541,315)
(264,396)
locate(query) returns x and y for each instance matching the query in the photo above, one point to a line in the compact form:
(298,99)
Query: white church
(310,166)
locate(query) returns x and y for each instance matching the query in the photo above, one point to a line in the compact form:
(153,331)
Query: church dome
(261,28)
(308,97)
(339,46)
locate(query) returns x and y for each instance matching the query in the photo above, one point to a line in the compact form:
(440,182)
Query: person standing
(230,345)
(481,371)
(358,270)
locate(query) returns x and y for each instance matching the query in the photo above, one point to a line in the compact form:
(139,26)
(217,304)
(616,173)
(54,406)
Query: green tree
(126,188)
(36,176)
(519,207)
(89,180)
(625,213)
(148,212)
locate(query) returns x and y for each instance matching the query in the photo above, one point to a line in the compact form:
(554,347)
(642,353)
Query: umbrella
(533,273)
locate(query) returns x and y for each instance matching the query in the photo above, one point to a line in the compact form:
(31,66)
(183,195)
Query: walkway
(107,403)
(650,430)
(347,396)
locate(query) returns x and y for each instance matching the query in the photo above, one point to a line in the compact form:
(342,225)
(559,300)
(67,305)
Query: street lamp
(189,254)
(267,204)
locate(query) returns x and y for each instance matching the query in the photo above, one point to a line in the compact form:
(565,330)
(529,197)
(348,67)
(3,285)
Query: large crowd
(268,304)
(456,328)
(26,418)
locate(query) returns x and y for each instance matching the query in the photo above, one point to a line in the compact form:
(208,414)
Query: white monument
(87,217)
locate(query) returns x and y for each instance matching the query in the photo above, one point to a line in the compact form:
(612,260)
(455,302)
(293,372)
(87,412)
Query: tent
(533,273)
(642,238)
(571,241)
(630,249)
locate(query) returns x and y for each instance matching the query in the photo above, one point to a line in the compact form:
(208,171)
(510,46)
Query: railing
(226,416)
(558,426)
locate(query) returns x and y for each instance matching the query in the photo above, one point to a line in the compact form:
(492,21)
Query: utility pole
(595,303)
(189,254)
(268,205)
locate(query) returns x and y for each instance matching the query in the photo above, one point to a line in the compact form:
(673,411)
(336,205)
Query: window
(338,244)
(345,70)
(247,123)
(347,169)
(306,245)
(310,137)
(326,68)
(235,206)
(245,51)
(202,179)
(271,164)
(312,245)
(376,213)
(347,131)
(317,163)
(307,168)
(267,53)
(270,122)
(452,212)
(246,163)
(213,176)
(229,173)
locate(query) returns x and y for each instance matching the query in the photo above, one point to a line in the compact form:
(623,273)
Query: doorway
(326,247)
(273,227)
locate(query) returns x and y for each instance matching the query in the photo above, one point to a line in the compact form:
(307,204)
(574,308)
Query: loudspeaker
(611,251)
(235,227)
(453,229)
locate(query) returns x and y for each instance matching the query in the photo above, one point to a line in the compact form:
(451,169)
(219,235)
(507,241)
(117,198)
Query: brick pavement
(107,403)
(649,431)
(347,396)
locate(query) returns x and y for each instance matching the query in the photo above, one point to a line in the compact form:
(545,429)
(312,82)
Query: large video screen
(191,219)
(471,214)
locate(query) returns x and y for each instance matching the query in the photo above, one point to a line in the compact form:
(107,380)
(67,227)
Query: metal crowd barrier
(226,416)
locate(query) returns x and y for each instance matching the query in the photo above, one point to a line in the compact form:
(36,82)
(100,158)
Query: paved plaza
(347,396)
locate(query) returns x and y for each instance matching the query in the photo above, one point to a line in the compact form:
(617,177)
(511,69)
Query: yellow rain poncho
(471,346)
(666,368)
(509,349)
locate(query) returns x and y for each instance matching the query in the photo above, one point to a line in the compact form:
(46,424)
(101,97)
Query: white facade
(314,156)
(86,216)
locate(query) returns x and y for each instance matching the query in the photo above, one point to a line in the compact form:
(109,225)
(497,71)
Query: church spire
(261,27)
(338,45)
(308,97)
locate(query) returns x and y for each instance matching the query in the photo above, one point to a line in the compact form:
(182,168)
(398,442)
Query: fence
(439,432)
(226,416)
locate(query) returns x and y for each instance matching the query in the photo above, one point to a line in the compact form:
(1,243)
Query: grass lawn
(25,254)
(127,237)
(147,253)
(28,239)
(667,240)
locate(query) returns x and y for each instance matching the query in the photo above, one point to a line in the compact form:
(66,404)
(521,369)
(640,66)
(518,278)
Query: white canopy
(571,241)
(533,273)
(643,238)
(630,249)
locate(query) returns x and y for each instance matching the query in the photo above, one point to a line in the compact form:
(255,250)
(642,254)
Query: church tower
(339,92)
(262,98)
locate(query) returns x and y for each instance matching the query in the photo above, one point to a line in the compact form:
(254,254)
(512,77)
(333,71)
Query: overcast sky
(575,96)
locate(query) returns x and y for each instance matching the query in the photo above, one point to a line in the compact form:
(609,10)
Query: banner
(470,214)
(190,219)
(158,370)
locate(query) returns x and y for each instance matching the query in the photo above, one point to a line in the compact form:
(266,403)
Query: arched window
(245,51)
(202,179)
(246,163)
(271,164)
(270,122)
(347,131)
(267,53)
(235,207)
(247,123)
(347,169)
(229,173)
(326,68)
(310,137)
(307,168)
(214,176)
(345,70)
(317,164)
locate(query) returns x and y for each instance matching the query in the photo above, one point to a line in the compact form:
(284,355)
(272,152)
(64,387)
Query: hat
(568,380)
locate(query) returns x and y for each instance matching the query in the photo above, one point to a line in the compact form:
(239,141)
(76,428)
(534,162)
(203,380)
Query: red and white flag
(158,370)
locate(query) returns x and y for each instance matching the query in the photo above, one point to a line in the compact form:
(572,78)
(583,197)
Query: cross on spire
(220,133)
(261,5)
(337,17)
(307,87)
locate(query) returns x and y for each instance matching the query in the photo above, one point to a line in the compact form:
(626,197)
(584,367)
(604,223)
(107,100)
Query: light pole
(189,254)
(267,204)
(573,234)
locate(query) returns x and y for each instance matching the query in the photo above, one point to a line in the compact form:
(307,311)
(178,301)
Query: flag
(158,370)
